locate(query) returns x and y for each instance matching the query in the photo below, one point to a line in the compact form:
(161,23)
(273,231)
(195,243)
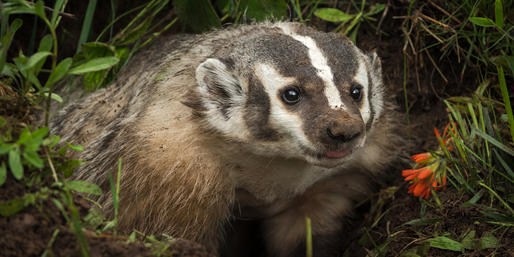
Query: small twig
(436,67)
(51,165)
(430,32)
(412,242)
(446,26)
(445,12)
(69,15)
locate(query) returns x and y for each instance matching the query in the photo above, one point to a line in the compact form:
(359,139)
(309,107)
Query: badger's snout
(342,133)
(341,130)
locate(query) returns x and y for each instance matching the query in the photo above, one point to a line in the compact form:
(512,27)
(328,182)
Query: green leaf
(69,166)
(493,141)
(481,21)
(333,15)
(40,10)
(498,13)
(54,96)
(6,41)
(24,136)
(33,158)
(468,240)
(75,147)
(15,163)
(94,80)
(94,50)
(488,240)
(40,133)
(473,200)
(374,9)
(51,141)
(59,72)
(505,60)
(445,243)
(45,45)
(4,148)
(84,187)
(3,173)
(58,7)
(36,138)
(35,59)
(12,206)
(198,15)
(26,9)
(95,65)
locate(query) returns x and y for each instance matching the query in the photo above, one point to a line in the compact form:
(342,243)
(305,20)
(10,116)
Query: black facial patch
(257,111)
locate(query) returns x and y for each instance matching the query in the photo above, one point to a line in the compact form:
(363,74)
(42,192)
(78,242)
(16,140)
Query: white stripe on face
(280,119)
(320,63)
(362,78)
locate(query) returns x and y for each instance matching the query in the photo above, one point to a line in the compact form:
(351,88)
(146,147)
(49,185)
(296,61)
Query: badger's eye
(291,95)
(356,92)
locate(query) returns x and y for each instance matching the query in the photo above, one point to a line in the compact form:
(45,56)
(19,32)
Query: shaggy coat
(274,122)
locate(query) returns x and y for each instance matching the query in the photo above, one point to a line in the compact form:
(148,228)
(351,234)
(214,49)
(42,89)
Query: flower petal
(437,133)
(406,173)
(411,177)
(426,194)
(425,173)
(420,187)
(421,157)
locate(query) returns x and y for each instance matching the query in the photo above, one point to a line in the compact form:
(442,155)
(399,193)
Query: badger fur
(275,122)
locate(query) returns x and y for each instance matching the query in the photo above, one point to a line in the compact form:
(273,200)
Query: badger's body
(275,122)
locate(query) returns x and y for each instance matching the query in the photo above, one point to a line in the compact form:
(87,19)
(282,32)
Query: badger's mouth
(337,154)
(332,156)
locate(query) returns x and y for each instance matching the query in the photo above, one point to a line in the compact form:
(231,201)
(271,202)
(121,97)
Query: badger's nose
(344,132)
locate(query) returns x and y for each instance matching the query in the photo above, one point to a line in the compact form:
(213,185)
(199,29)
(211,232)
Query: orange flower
(423,180)
(446,138)
(422,157)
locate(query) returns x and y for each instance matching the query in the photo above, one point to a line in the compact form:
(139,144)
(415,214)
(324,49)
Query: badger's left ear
(376,63)
(377,87)
(219,87)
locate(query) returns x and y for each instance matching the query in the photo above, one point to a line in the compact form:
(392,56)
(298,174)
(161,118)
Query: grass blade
(86,25)
(493,141)
(308,239)
(506,100)
(498,13)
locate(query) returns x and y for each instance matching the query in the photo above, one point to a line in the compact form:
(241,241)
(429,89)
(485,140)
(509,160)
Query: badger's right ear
(219,88)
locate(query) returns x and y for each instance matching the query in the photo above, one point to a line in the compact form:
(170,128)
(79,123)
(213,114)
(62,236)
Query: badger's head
(290,91)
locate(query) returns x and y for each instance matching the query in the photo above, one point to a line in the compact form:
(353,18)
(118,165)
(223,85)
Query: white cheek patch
(362,78)
(280,118)
(319,62)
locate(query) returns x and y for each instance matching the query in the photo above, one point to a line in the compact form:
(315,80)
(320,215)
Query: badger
(273,122)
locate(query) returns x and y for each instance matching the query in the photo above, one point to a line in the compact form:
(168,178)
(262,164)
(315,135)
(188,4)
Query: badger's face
(294,93)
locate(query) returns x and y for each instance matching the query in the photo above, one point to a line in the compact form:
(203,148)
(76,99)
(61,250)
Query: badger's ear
(376,63)
(219,86)
(377,87)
